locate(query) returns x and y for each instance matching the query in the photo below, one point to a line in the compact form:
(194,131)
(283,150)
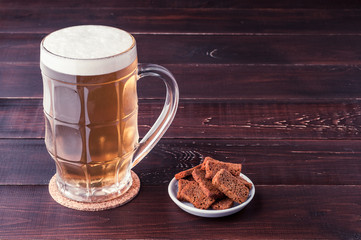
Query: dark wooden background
(275,85)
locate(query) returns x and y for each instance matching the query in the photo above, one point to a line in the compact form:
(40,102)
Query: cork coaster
(98,206)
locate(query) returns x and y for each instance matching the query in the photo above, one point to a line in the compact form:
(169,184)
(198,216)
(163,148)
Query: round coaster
(98,206)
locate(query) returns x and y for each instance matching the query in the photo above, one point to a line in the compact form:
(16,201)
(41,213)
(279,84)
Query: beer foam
(88,50)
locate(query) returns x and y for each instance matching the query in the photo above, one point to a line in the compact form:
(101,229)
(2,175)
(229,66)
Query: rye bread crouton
(186,173)
(206,184)
(206,159)
(181,184)
(221,204)
(244,181)
(212,166)
(233,187)
(192,193)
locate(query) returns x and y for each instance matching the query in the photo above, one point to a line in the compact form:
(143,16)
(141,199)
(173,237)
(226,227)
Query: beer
(90,102)
(91,109)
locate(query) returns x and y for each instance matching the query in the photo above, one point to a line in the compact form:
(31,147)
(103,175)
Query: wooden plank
(23,118)
(312,162)
(315,212)
(190,49)
(218,81)
(158,20)
(154,4)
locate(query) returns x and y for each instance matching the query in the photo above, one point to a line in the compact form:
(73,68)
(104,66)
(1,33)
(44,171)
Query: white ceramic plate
(188,207)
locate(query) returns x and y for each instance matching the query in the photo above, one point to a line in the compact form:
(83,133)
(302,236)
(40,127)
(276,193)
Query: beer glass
(90,75)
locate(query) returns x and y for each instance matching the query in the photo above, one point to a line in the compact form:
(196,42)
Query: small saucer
(188,207)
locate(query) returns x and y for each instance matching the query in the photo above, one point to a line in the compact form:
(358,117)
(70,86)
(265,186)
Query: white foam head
(88,50)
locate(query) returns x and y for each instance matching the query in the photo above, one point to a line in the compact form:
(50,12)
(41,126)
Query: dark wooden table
(273,85)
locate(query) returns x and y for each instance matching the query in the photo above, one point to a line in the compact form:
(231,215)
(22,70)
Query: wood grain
(274,85)
(215,49)
(155,4)
(275,212)
(270,162)
(217,81)
(158,20)
(23,118)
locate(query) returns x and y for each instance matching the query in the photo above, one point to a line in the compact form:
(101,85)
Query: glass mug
(90,75)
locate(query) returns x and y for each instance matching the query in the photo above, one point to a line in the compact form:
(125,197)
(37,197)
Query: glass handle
(167,115)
